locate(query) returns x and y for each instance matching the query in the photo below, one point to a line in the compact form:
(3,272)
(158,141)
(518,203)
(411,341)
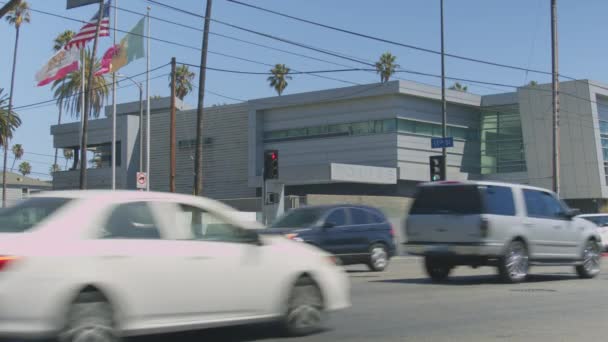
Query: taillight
(5,261)
(484,228)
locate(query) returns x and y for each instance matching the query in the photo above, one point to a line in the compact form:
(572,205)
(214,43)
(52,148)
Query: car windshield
(450,199)
(299,218)
(29,213)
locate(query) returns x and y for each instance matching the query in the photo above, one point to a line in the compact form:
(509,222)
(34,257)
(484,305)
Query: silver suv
(496,224)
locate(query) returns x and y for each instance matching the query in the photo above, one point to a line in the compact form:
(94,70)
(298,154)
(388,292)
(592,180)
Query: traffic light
(271,164)
(437,167)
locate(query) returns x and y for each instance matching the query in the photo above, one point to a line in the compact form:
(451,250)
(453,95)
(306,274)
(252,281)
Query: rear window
(464,200)
(29,213)
(452,199)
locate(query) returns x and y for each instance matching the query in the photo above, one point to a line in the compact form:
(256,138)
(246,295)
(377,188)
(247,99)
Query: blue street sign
(442,142)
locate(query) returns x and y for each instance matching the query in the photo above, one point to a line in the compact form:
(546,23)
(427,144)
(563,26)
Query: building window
(102,155)
(25,193)
(502,144)
(342,129)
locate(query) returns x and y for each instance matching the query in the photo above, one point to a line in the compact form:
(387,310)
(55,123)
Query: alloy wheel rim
(379,257)
(517,261)
(591,257)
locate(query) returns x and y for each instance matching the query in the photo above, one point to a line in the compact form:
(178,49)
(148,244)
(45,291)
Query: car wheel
(305,313)
(514,264)
(90,318)
(378,257)
(437,269)
(591,260)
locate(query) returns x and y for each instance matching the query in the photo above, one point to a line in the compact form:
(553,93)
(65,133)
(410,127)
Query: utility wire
(409,46)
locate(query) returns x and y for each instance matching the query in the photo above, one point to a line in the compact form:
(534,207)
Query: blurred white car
(102,265)
(601,221)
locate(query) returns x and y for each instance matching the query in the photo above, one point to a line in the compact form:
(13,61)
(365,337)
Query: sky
(515,32)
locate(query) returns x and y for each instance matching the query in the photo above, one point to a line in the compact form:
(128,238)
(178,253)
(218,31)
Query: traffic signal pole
(443,103)
(172,129)
(555,95)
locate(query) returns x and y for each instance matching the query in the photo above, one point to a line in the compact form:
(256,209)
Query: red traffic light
(273,156)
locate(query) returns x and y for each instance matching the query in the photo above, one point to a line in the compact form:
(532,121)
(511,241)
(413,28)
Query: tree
(532,83)
(12,122)
(386,66)
(25,168)
(68,92)
(279,78)
(68,154)
(8,7)
(183,81)
(459,87)
(16,16)
(18,152)
(54,168)
(58,43)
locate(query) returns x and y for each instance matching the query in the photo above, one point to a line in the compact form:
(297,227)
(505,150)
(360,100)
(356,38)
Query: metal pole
(87,107)
(198,160)
(7,129)
(148,103)
(555,95)
(113,153)
(141,126)
(172,129)
(443,103)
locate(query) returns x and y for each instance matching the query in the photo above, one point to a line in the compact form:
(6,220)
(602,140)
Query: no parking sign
(142,180)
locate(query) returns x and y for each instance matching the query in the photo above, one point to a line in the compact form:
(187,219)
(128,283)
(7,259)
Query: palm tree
(5,119)
(16,16)
(386,66)
(183,81)
(279,78)
(68,92)
(18,152)
(459,87)
(25,168)
(68,154)
(58,43)
(54,168)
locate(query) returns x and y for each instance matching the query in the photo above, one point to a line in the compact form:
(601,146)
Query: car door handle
(557,227)
(528,224)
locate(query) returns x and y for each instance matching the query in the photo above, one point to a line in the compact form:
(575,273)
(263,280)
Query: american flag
(87,32)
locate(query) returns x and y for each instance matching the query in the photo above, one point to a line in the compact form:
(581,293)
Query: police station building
(367,140)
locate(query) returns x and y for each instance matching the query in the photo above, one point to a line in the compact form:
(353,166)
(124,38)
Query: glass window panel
(423,128)
(389,125)
(604,126)
(317,130)
(406,126)
(360,128)
(339,128)
(298,132)
(437,131)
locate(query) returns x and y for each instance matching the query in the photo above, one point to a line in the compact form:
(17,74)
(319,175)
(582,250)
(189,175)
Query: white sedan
(601,221)
(101,265)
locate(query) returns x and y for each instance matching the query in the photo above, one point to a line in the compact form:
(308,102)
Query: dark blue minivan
(355,234)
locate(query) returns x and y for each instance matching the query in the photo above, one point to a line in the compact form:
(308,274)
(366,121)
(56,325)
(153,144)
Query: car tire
(305,310)
(89,318)
(378,257)
(437,269)
(514,265)
(591,260)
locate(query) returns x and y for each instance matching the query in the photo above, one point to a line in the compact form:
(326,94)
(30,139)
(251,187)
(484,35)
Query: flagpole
(82,103)
(148,103)
(113,153)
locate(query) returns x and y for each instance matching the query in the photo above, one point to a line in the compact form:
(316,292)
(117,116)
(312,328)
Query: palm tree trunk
(13,166)
(8,121)
(59,120)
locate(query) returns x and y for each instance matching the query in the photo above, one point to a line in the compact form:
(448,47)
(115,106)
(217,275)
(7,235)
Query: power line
(409,46)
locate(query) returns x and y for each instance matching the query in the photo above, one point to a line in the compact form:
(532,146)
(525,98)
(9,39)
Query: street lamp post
(141,118)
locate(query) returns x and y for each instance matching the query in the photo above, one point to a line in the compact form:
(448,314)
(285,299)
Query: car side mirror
(328,224)
(571,213)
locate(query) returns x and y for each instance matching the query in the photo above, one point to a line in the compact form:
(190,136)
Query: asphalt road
(402,305)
